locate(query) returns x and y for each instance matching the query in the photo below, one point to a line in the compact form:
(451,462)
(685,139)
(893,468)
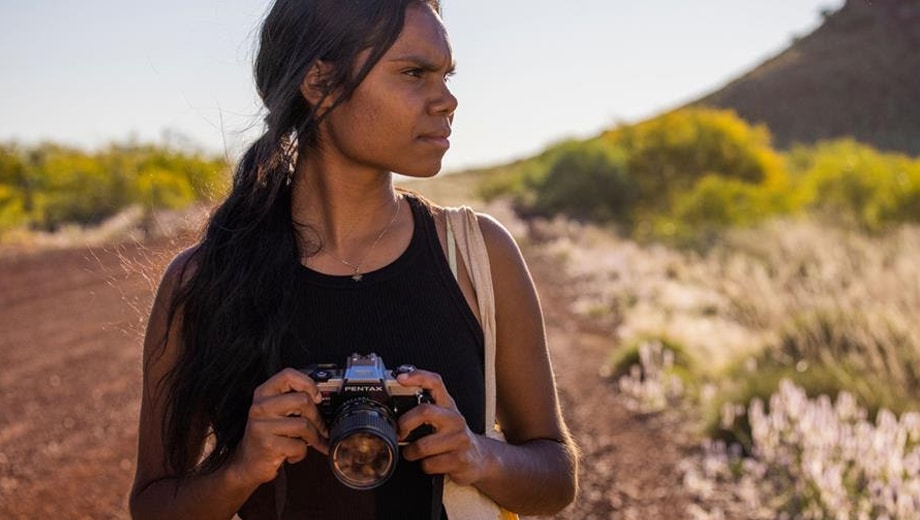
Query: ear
(315,87)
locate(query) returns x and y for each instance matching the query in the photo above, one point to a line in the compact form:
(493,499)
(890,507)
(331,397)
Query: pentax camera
(361,404)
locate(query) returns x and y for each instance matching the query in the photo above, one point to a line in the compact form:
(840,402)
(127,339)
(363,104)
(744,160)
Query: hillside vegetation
(772,293)
(690,174)
(47,186)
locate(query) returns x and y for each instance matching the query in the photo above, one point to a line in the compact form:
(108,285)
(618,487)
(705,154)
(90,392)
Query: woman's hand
(283,423)
(452,449)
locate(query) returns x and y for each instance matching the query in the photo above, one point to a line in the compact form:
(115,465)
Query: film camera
(361,404)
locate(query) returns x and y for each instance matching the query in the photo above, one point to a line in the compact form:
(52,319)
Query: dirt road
(70,349)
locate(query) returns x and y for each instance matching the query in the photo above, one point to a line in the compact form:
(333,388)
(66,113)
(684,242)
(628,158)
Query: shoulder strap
(465,235)
(451,247)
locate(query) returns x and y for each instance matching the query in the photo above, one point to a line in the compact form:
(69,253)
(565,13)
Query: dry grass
(829,306)
(128,225)
(808,292)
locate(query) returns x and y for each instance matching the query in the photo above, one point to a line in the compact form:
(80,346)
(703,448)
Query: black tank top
(410,311)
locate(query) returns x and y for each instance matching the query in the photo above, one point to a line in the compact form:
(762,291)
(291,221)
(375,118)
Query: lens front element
(363,444)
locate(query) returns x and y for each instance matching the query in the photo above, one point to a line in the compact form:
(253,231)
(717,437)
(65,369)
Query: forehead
(423,31)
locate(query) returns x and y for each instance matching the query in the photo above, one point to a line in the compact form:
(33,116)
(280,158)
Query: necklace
(356,267)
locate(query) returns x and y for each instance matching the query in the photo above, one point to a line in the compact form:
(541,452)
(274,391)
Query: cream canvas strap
(464,235)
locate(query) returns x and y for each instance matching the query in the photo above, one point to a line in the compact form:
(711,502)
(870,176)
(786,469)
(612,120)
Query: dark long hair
(234,292)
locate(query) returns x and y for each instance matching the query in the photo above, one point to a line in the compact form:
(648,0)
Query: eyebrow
(425,63)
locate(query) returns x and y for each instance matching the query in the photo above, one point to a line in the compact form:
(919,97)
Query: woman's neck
(347,209)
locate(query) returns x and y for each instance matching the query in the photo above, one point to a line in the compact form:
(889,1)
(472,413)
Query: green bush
(73,187)
(14,204)
(519,179)
(589,182)
(627,356)
(160,188)
(715,203)
(854,184)
(12,212)
(670,154)
(690,174)
(46,186)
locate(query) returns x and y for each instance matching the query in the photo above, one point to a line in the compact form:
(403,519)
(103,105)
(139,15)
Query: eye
(449,75)
(414,72)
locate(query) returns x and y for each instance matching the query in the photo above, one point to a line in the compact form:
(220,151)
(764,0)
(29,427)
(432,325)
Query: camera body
(361,404)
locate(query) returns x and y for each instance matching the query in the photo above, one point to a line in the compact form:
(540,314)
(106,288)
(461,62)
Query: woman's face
(399,117)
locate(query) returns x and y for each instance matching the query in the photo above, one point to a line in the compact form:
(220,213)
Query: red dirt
(71,323)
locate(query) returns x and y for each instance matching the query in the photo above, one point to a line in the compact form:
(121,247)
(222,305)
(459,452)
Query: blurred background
(719,202)
(528,74)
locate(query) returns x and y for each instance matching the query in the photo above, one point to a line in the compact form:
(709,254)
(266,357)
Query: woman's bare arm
(281,423)
(535,472)
(156,492)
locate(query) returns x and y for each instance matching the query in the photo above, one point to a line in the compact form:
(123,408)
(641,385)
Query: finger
(437,444)
(443,464)
(288,380)
(294,450)
(299,428)
(305,430)
(414,418)
(291,404)
(431,382)
(439,418)
(267,444)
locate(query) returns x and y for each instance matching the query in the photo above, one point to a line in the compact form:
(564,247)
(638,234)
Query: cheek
(383,125)
(353,128)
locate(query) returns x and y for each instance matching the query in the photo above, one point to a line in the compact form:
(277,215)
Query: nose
(445,102)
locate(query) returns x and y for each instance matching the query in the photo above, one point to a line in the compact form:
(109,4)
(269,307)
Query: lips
(440,139)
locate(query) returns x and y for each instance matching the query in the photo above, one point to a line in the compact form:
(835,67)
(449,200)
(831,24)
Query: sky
(529,73)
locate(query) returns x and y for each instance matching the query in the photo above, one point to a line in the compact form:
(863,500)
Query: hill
(857,75)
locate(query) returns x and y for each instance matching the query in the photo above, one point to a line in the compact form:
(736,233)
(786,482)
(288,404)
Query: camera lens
(363,444)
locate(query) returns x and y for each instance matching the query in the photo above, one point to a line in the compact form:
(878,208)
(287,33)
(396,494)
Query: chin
(420,172)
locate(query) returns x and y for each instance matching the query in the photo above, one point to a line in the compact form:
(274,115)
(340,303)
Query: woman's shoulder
(180,268)
(499,240)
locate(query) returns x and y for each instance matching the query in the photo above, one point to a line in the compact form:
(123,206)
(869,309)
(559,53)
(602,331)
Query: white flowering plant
(814,459)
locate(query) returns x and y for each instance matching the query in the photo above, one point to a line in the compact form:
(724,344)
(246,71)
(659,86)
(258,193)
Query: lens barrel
(363,444)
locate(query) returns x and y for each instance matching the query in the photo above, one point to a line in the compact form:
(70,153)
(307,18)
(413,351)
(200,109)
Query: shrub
(48,185)
(12,212)
(630,355)
(74,188)
(652,375)
(724,418)
(588,182)
(871,354)
(855,184)
(816,458)
(159,188)
(669,154)
(717,203)
(824,352)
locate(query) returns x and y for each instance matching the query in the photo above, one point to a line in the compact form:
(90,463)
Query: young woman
(313,256)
